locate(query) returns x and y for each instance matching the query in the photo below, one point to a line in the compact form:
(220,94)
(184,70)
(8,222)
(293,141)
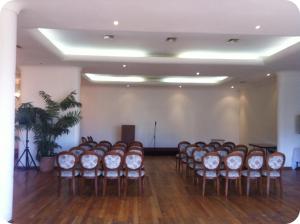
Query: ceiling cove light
(193,80)
(85,51)
(217,55)
(116,23)
(110,78)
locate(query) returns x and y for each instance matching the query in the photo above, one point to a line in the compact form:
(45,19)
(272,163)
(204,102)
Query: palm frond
(52,107)
(69,102)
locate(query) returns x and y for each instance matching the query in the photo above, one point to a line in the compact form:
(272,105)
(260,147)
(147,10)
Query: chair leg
(248,186)
(73,185)
(96,186)
(268,185)
(218,186)
(226,187)
(125,186)
(58,185)
(240,185)
(143,185)
(140,186)
(104,186)
(203,185)
(280,185)
(119,187)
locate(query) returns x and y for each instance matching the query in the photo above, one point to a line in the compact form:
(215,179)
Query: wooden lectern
(128,133)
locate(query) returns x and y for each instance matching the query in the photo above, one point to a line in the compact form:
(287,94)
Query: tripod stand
(28,157)
(154,135)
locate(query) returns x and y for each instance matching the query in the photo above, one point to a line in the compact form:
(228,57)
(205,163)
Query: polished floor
(169,197)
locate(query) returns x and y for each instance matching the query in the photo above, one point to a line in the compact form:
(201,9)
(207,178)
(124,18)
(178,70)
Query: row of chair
(232,165)
(114,164)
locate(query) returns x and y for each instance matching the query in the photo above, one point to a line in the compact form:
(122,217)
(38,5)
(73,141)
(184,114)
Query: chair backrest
(198,154)
(234,161)
(120,143)
(136,143)
(107,143)
(99,151)
(222,151)
(112,160)
(189,150)
(200,144)
(85,146)
(83,140)
(229,144)
(182,146)
(89,160)
(90,139)
(137,149)
(241,148)
(211,161)
(118,151)
(119,147)
(215,144)
(77,151)
(66,160)
(275,161)
(255,160)
(102,146)
(133,161)
(93,143)
(209,148)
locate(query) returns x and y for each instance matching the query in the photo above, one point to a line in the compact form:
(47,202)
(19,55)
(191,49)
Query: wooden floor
(169,198)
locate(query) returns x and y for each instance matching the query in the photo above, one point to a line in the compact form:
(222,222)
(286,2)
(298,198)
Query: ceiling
(202,25)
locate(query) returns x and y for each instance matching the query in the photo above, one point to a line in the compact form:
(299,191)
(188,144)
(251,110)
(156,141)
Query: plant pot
(47,164)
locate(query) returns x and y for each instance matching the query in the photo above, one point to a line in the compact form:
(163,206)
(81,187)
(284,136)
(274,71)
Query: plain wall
(258,112)
(56,81)
(190,113)
(288,109)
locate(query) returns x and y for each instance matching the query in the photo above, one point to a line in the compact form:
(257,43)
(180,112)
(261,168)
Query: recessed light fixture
(193,80)
(127,85)
(232,87)
(269,74)
(171,39)
(257,27)
(233,40)
(198,73)
(108,37)
(180,86)
(111,78)
(116,22)
(17,94)
(124,66)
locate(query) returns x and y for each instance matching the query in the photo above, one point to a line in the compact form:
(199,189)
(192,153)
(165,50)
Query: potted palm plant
(51,122)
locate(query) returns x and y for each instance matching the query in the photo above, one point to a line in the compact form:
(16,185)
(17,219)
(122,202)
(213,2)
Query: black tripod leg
(32,160)
(19,160)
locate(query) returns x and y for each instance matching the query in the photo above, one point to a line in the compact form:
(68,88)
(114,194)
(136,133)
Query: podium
(128,133)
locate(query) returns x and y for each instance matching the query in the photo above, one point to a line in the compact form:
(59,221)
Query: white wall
(288,109)
(258,112)
(182,114)
(56,81)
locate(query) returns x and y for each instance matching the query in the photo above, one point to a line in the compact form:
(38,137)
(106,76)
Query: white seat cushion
(113,173)
(231,173)
(273,173)
(252,173)
(91,173)
(208,173)
(134,173)
(68,173)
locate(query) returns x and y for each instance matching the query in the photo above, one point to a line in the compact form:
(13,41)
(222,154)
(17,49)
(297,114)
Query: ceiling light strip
(110,78)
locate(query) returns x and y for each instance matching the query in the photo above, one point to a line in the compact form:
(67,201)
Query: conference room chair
(89,163)
(233,164)
(209,147)
(136,143)
(241,147)
(181,153)
(215,144)
(254,165)
(102,146)
(120,143)
(77,151)
(66,162)
(197,161)
(211,162)
(90,139)
(121,146)
(86,146)
(137,149)
(100,151)
(229,144)
(188,160)
(113,170)
(200,144)
(273,171)
(134,170)
(109,145)
(84,140)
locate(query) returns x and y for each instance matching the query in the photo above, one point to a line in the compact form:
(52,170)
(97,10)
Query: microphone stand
(154,135)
